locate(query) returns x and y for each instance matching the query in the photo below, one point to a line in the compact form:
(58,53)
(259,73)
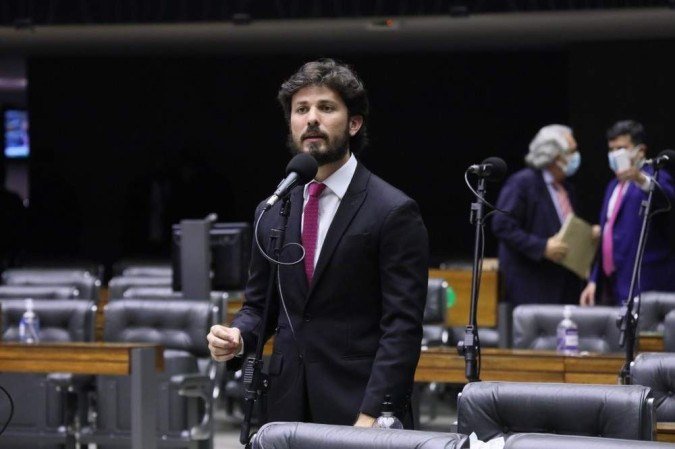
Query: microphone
(299,171)
(492,168)
(666,158)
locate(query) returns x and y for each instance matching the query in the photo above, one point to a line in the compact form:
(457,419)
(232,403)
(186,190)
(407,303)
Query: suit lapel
(350,204)
(543,188)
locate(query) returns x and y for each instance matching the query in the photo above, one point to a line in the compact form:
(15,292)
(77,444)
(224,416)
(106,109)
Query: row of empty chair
(52,410)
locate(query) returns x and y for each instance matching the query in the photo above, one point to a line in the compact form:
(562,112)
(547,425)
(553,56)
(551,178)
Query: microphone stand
(470,346)
(628,320)
(255,381)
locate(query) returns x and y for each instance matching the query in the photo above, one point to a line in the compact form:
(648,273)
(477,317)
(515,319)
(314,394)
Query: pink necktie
(310,227)
(563,200)
(607,234)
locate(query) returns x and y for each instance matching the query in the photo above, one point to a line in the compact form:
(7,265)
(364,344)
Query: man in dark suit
(538,199)
(348,319)
(621,222)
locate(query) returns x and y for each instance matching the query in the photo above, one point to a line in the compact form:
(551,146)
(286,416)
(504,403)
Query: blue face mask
(573,163)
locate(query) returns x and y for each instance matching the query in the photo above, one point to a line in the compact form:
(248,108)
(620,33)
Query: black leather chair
(293,435)
(87,284)
(657,371)
(535,327)
(653,310)
(120,284)
(38,291)
(47,407)
(547,441)
(494,409)
(185,388)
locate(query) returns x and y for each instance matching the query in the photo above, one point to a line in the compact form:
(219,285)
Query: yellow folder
(578,235)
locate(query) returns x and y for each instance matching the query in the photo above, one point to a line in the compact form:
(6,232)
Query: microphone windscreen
(497,168)
(670,163)
(305,166)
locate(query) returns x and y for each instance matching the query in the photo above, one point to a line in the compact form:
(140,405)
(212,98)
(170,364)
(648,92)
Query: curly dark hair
(337,76)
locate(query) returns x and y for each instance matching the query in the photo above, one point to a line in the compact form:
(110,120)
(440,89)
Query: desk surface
(80,358)
(445,365)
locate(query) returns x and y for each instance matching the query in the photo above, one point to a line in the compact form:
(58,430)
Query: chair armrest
(197,386)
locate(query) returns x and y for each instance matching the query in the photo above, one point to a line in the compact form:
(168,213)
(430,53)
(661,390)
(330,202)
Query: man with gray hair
(538,199)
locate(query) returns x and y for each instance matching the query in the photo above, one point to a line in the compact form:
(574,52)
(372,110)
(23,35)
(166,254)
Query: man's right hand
(224,342)
(556,249)
(587,297)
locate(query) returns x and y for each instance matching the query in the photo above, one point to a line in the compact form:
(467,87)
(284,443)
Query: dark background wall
(102,128)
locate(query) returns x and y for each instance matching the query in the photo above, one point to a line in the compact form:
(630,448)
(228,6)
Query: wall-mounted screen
(16,133)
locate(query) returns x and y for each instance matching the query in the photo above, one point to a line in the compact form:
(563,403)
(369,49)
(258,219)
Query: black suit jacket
(527,276)
(354,334)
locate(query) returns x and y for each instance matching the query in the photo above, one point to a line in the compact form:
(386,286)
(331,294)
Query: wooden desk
(650,342)
(460,281)
(140,361)
(444,365)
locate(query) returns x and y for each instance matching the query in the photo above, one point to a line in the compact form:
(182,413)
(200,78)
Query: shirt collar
(339,181)
(548,177)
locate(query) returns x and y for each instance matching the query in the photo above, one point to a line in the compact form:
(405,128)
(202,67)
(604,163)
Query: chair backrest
(39,291)
(61,320)
(148,271)
(535,327)
(669,332)
(176,324)
(494,409)
(434,310)
(653,310)
(87,284)
(287,435)
(656,370)
(548,441)
(119,284)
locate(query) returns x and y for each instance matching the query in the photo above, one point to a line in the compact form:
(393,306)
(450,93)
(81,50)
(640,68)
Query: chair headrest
(38,291)
(653,310)
(295,435)
(61,320)
(176,324)
(535,326)
(434,309)
(493,409)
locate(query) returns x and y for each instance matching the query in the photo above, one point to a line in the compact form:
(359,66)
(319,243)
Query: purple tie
(310,227)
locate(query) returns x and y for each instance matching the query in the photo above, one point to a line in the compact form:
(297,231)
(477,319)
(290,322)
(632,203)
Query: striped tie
(310,227)
(563,200)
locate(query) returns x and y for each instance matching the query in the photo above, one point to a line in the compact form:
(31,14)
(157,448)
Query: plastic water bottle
(568,334)
(29,326)
(387,420)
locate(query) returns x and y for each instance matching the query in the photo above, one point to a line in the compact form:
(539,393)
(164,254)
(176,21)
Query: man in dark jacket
(348,319)
(538,199)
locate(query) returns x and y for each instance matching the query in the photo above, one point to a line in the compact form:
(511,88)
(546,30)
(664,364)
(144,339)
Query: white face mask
(622,158)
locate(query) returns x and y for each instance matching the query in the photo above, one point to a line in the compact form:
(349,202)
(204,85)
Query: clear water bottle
(29,326)
(387,420)
(567,334)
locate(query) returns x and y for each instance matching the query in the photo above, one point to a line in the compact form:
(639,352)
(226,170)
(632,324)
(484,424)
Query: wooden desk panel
(445,365)
(460,281)
(80,358)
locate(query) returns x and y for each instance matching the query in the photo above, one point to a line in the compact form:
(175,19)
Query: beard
(333,151)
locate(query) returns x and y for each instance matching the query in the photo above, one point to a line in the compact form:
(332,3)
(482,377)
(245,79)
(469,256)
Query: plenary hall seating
(48,408)
(185,388)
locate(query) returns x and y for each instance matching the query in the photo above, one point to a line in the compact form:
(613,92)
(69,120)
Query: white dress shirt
(329,201)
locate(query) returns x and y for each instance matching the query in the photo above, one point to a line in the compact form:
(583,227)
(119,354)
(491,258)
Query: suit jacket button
(307,318)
